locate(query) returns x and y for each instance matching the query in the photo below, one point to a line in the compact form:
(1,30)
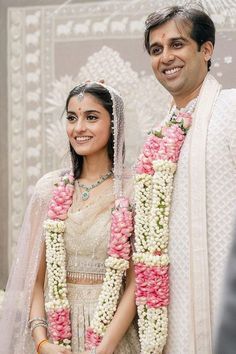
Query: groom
(180,42)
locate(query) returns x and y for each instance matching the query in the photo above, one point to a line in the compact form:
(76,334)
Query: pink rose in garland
(149,153)
(171,144)
(185,119)
(59,321)
(141,283)
(92,339)
(164,143)
(62,198)
(158,287)
(152,285)
(121,230)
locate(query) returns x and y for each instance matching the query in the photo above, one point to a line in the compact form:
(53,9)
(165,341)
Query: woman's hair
(103,96)
(201,25)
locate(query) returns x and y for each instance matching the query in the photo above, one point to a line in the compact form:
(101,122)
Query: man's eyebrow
(184,39)
(170,40)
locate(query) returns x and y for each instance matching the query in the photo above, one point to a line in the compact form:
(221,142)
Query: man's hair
(202,28)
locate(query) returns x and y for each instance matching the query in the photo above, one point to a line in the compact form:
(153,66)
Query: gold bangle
(41,343)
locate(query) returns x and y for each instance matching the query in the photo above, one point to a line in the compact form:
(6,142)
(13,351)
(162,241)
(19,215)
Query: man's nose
(167,56)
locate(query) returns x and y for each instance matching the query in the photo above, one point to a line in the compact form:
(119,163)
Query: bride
(72,286)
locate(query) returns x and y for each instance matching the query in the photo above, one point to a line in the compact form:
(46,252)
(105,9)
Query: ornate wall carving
(52,48)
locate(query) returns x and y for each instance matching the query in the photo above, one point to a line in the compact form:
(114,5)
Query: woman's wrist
(40,344)
(102,350)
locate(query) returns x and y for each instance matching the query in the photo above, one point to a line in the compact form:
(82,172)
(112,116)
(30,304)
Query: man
(180,42)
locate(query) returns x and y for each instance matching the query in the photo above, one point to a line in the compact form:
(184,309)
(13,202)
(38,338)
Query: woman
(78,219)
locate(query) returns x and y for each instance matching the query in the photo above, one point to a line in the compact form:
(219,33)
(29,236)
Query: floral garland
(58,309)
(116,265)
(153,189)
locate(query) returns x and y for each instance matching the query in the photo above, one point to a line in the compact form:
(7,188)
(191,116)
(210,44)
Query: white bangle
(41,319)
(40,324)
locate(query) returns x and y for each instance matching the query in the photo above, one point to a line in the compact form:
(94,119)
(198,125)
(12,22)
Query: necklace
(87,189)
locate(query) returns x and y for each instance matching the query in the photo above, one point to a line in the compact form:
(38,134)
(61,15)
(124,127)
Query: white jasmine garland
(162,182)
(153,189)
(143,193)
(153,328)
(108,298)
(151,259)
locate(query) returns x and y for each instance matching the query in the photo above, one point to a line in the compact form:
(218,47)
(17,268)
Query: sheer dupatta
(14,334)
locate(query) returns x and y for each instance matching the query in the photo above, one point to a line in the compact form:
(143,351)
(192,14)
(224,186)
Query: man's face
(175,58)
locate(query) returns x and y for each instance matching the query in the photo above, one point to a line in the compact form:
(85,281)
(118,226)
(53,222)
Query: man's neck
(182,101)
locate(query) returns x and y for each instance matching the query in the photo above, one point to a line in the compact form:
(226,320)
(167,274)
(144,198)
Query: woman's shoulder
(46,183)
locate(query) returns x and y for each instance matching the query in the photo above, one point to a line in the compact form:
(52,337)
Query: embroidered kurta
(220,214)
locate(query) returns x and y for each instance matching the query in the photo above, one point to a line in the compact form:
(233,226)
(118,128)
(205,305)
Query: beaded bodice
(87,232)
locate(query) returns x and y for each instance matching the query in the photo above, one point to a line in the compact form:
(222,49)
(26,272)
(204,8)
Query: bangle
(93,351)
(39,324)
(41,319)
(40,344)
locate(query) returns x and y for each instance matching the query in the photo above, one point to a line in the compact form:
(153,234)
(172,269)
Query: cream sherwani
(201,222)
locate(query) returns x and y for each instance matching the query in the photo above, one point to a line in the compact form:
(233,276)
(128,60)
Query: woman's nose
(80,125)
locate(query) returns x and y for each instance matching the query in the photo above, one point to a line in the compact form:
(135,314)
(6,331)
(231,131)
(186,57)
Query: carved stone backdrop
(51,48)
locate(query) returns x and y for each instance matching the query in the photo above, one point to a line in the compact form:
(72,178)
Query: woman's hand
(49,348)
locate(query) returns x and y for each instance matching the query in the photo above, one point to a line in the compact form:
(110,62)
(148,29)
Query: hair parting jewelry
(80,96)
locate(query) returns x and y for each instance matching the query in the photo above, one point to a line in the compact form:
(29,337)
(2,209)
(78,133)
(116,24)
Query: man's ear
(207,50)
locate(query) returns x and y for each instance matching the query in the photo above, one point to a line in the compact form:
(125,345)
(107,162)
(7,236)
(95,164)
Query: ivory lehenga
(86,238)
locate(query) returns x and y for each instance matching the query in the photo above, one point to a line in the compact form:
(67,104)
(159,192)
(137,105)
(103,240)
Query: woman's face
(88,125)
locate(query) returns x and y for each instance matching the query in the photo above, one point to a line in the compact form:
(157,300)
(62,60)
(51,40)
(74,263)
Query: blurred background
(46,47)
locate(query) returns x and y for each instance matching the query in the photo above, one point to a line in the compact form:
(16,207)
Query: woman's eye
(91,117)
(71,118)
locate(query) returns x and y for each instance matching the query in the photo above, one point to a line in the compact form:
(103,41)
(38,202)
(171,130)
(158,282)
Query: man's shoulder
(228,97)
